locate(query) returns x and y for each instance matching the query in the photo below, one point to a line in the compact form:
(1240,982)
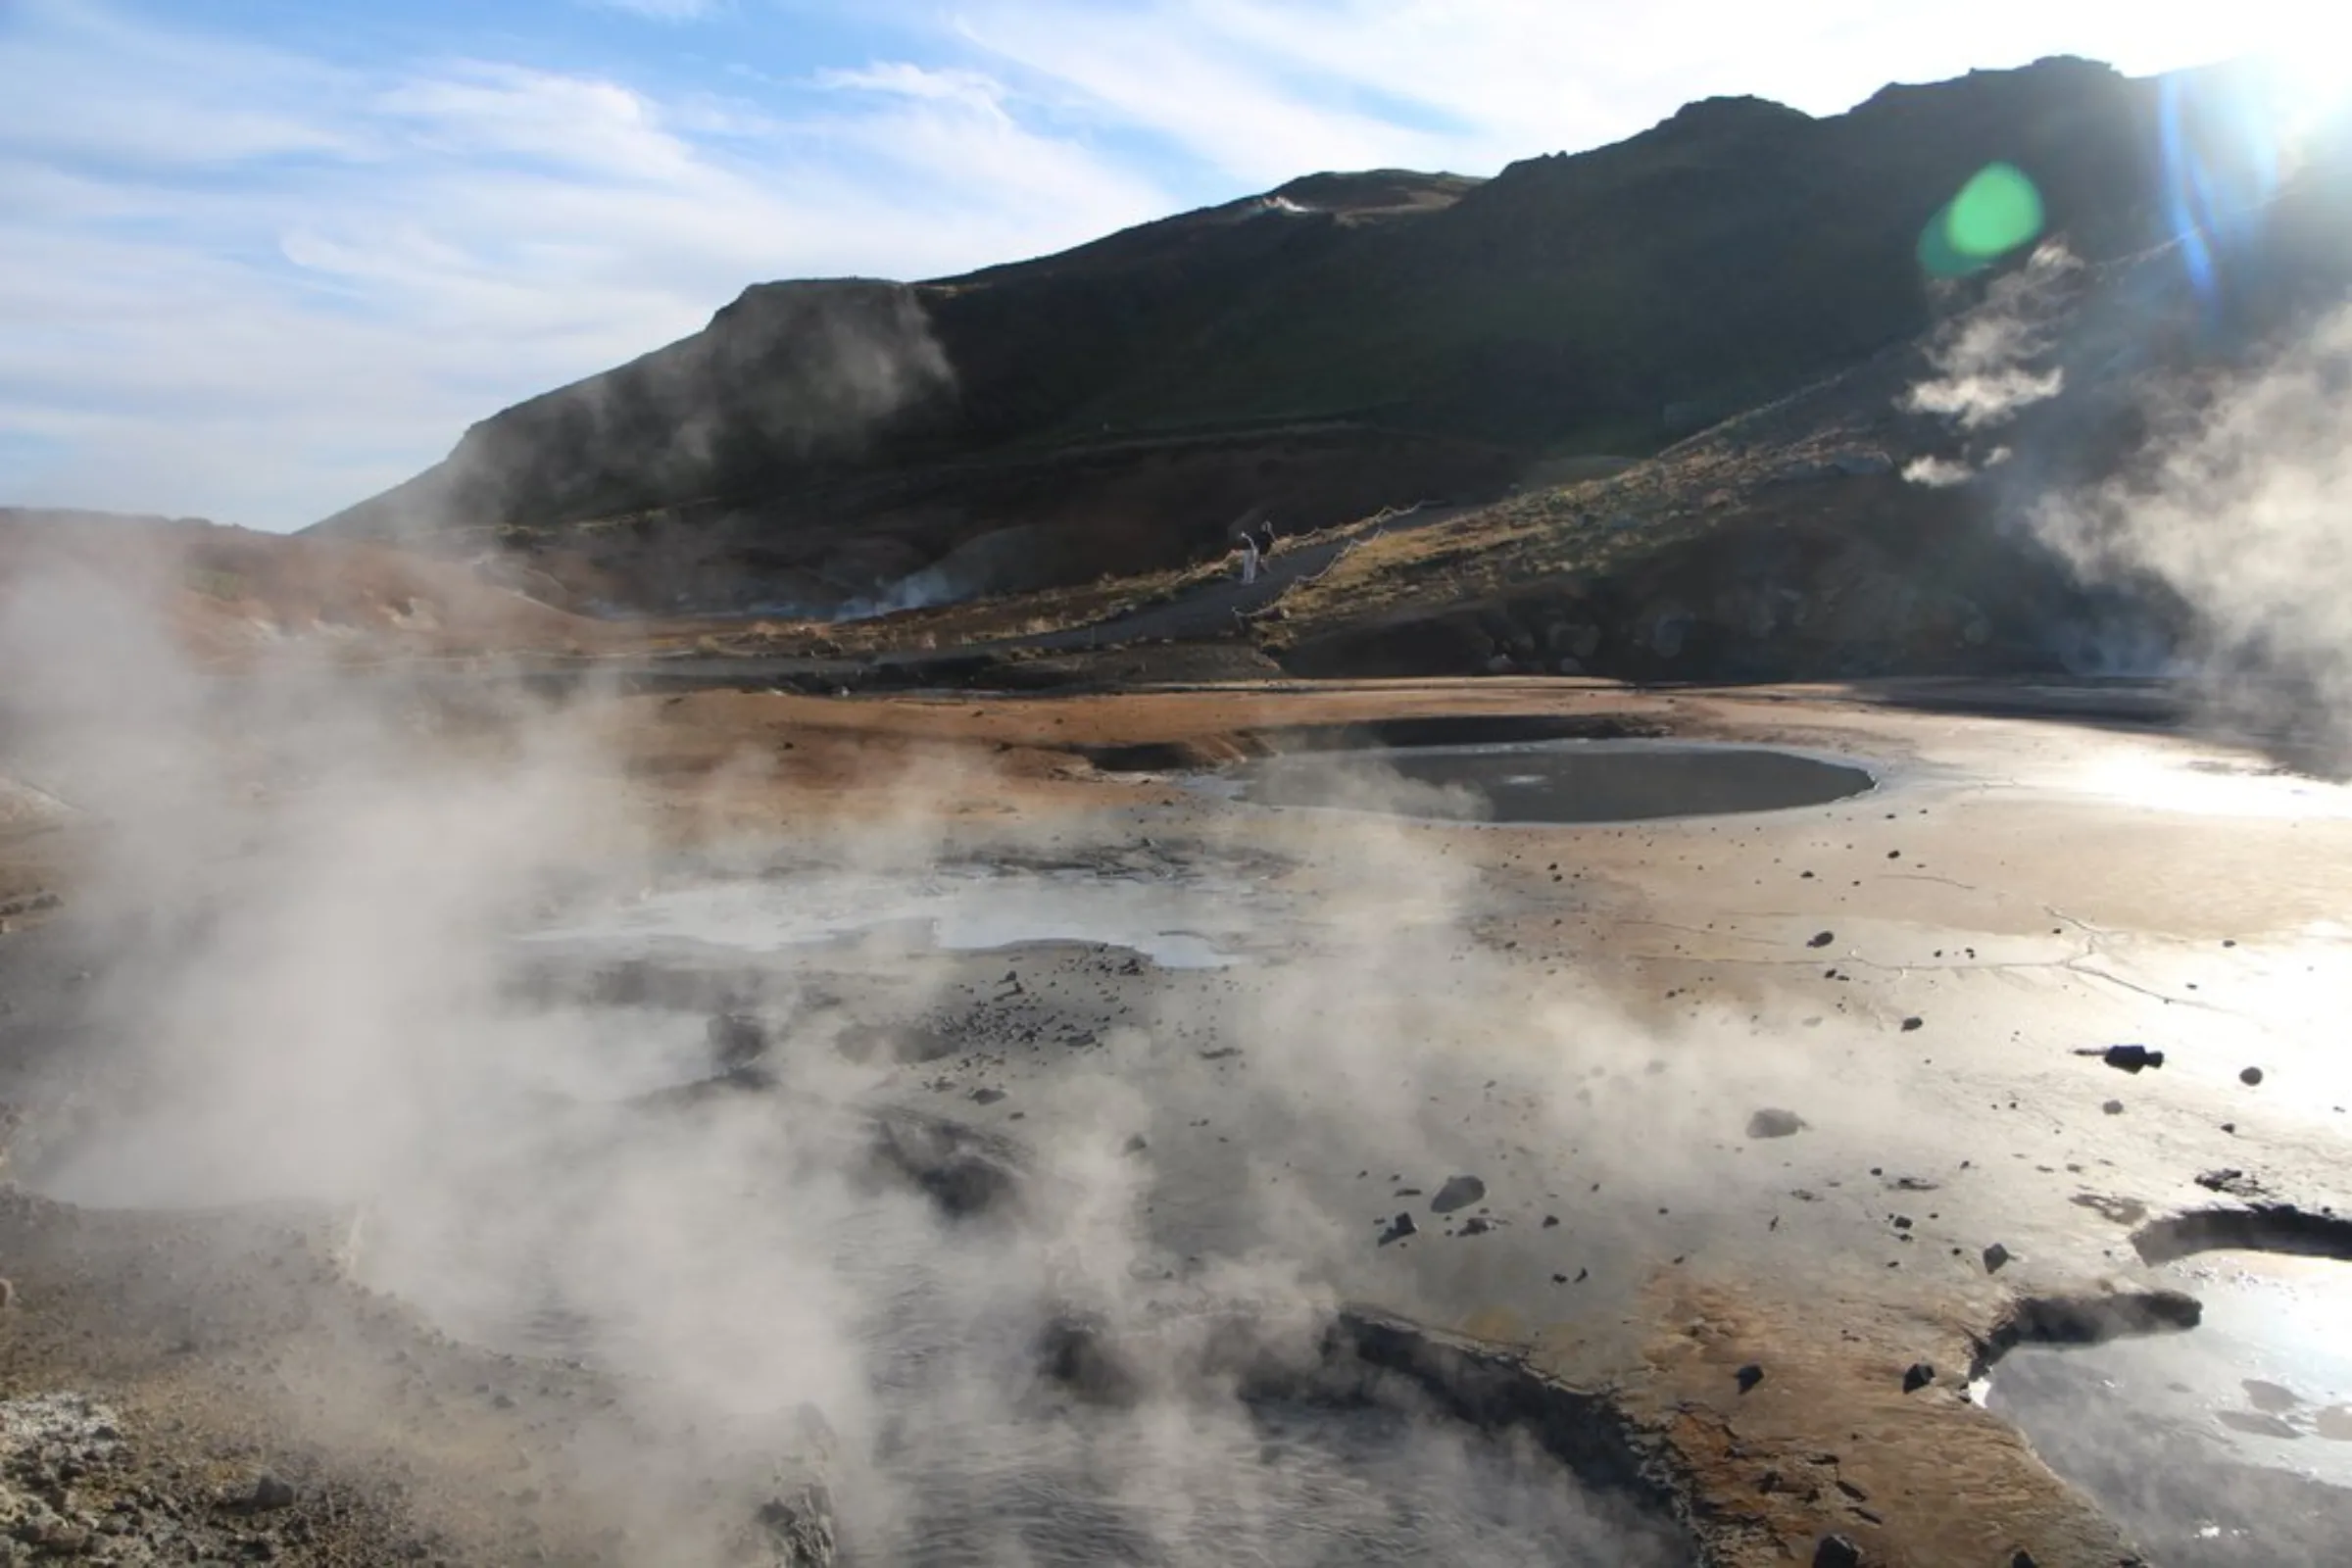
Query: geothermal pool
(1184,921)
(1572,781)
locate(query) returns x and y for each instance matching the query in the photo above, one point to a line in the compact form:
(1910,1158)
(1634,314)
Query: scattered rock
(2250,1077)
(1748,1376)
(1996,1256)
(1458,1191)
(1474,1226)
(1771,1122)
(987,1097)
(2113,1107)
(1822,939)
(1550,1222)
(2236,1183)
(269,1493)
(1910,1024)
(2022,1559)
(1399,1229)
(2125,1058)
(1918,1376)
(797,1527)
(1837,1552)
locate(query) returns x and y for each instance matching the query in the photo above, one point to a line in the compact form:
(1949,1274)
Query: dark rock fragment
(1458,1191)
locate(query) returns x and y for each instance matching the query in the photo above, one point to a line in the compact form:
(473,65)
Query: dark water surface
(1554,781)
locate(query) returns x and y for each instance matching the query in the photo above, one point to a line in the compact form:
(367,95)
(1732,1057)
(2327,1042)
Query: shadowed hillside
(1342,343)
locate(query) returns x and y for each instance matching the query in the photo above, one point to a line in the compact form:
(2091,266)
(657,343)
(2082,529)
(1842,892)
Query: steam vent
(1642,857)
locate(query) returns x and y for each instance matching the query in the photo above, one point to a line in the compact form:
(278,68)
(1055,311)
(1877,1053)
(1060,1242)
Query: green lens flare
(1997,210)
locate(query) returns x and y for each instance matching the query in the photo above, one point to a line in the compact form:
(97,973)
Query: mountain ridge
(1337,344)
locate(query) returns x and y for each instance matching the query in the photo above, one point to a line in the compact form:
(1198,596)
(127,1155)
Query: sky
(261,259)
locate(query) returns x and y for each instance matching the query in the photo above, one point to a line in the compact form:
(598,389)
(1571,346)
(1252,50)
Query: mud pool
(1574,781)
(1180,922)
(2226,1444)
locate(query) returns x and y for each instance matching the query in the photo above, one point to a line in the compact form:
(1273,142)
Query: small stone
(1771,1122)
(2250,1077)
(1474,1226)
(1918,1376)
(2125,1058)
(270,1493)
(1837,1552)
(987,1097)
(1748,1376)
(1910,1024)
(1399,1229)
(1996,1256)
(1458,1191)
(2113,1107)
(1551,1222)
(1822,939)
(2022,1559)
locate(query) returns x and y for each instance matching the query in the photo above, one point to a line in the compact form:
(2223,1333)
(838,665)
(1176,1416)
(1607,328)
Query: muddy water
(1553,781)
(2229,1443)
(1272,1482)
(1187,921)
(965,1454)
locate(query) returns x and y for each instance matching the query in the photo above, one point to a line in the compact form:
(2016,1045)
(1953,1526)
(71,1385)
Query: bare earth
(1589,1017)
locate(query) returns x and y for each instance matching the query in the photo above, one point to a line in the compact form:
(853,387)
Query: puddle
(1179,922)
(1553,782)
(2227,1444)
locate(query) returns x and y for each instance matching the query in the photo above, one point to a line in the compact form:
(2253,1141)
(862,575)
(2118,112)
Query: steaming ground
(1049,1115)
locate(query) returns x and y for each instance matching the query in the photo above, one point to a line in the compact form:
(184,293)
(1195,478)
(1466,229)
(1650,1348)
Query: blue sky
(259,259)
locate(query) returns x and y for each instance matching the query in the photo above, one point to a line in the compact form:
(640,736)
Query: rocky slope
(1932,508)
(1342,343)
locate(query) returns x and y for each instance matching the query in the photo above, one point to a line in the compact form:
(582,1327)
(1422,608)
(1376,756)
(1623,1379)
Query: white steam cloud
(1994,362)
(301,926)
(2241,504)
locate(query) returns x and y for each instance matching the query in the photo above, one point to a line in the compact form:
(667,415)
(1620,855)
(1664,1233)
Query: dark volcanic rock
(1996,1256)
(2125,1058)
(1748,1376)
(2250,1077)
(1399,1229)
(1459,1192)
(1918,1376)
(1837,1552)
(1774,1123)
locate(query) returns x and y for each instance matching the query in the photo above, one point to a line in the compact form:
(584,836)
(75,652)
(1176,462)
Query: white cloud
(661,10)
(364,265)
(1263,90)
